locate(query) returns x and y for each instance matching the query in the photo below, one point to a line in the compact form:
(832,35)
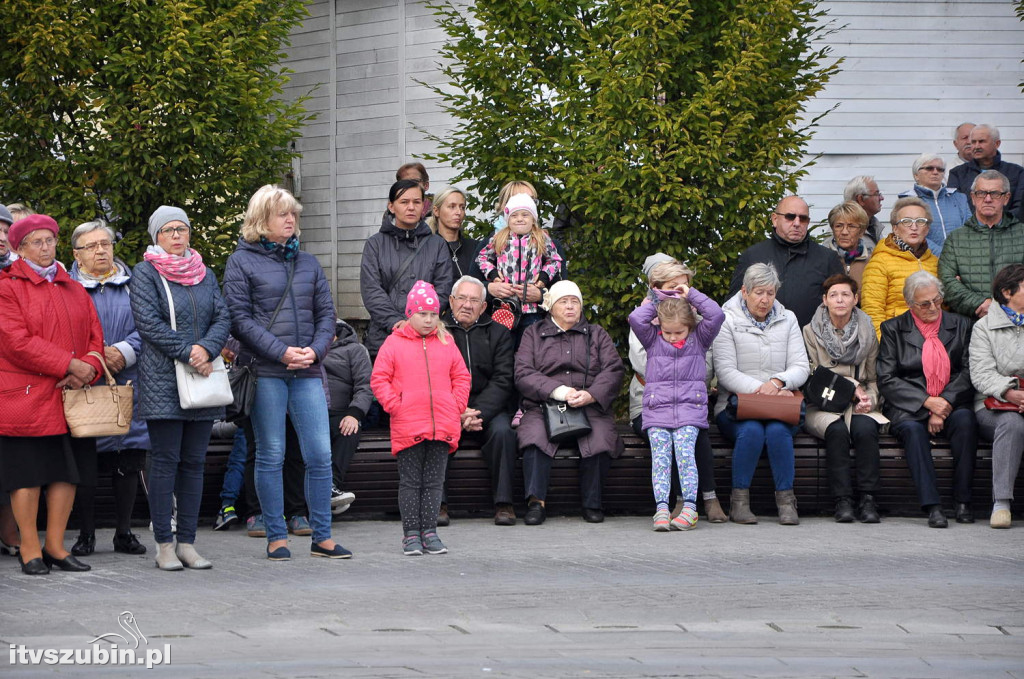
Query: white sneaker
(340,500)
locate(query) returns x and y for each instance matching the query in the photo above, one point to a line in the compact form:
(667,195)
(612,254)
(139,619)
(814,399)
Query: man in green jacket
(987,242)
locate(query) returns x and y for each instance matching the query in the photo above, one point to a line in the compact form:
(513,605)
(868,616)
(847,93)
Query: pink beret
(422,297)
(24,227)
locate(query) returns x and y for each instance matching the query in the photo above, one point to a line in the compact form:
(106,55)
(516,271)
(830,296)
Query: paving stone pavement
(566,599)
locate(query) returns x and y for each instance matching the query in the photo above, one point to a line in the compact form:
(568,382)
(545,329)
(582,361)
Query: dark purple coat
(676,393)
(548,358)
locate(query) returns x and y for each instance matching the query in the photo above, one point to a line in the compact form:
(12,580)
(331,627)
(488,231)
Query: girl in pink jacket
(420,379)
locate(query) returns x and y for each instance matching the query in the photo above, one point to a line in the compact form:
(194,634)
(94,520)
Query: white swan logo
(127,622)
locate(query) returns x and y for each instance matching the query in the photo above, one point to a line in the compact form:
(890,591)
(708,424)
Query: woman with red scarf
(178,437)
(924,376)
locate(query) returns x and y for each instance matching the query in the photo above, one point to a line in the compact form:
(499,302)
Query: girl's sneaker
(686,520)
(432,544)
(411,545)
(661,520)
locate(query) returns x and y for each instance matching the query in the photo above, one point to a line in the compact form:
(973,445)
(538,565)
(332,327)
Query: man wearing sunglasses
(973,254)
(802,264)
(985,143)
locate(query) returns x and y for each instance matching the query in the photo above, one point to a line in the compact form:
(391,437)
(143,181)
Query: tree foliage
(114,107)
(668,126)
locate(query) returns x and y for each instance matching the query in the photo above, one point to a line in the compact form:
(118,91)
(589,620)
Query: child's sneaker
(686,520)
(432,544)
(411,545)
(661,520)
(340,500)
(255,527)
(226,518)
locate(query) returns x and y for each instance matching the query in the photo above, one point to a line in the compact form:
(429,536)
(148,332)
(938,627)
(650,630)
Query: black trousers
(863,437)
(593,471)
(961,427)
(702,454)
(343,449)
(498,444)
(294,474)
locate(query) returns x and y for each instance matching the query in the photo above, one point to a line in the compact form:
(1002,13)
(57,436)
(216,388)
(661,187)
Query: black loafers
(34,567)
(593,515)
(535,514)
(936,519)
(964,513)
(68,563)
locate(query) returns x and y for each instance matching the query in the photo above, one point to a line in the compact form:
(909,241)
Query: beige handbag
(99,410)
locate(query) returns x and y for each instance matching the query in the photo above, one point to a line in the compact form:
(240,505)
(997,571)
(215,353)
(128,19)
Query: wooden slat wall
(913,70)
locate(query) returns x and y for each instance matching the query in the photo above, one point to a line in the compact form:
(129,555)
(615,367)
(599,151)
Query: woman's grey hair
(920,161)
(919,280)
(759,275)
(469,279)
(89,227)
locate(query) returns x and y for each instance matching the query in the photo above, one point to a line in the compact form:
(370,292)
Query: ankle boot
(785,500)
(188,555)
(739,506)
(715,512)
(166,559)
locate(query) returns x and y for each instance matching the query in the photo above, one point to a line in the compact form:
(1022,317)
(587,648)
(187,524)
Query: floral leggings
(662,443)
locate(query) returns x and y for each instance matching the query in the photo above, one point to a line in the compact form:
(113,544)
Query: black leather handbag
(562,422)
(829,391)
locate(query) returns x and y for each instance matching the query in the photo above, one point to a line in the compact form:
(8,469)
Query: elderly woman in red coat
(569,360)
(48,325)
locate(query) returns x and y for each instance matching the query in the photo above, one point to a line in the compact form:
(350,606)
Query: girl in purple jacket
(675,403)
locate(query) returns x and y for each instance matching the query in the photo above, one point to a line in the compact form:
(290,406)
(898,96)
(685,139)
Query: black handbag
(829,391)
(562,422)
(243,377)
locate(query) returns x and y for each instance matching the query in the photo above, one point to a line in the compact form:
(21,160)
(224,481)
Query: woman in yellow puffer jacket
(900,254)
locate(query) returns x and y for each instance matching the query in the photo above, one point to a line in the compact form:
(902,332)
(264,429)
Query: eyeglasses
(847,227)
(100,244)
(175,230)
(792,216)
(919,222)
(876,194)
(933,168)
(40,242)
(462,299)
(982,195)
(937,302)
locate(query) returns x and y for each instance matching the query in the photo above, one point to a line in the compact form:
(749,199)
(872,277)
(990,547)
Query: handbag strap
(287,289)
(110,377)
(170,303)
(405,265)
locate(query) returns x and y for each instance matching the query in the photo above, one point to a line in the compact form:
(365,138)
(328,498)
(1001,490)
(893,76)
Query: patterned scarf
(934,357)
(120,269)
(1015,318)
(760,325)
(47,272)
(843,345)
(188,269)
(290,247)
(849,256)
(907,247)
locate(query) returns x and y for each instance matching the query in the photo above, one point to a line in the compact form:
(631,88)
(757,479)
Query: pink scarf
(187,269)
(934,358)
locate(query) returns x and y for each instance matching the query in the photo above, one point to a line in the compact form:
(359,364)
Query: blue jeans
(749,438)
(234,475)
(176,462)
(303,400)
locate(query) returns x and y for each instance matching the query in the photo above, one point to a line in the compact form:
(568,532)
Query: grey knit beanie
(5,215)
(163,215)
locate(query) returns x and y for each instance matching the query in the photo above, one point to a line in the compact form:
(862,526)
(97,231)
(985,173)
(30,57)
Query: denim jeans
(234,475)
(176,458)
(749,438)
(303,400)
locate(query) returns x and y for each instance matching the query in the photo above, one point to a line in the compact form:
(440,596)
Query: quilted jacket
(962,176)
(997,354)
(973,256)
(424,385)
(254,282)
(520,263)
(202,318)
(881,295)
(348,371)
(42,327)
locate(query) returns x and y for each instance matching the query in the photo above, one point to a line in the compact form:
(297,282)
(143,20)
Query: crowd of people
(916,332)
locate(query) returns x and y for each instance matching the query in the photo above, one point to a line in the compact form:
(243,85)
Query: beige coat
(817,420)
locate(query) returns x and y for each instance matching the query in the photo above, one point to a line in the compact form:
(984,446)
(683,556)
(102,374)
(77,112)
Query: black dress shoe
(535,514)
(593,515)
(126,543)
(844,510)
(68,563)
(84,545)
(936,519)
(868,511)
(964,513)
(34,567)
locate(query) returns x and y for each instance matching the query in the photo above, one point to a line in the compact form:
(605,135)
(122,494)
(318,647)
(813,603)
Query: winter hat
(654,260)
(521,201)
(5,215)
(558,291)
(422,297)
(164,214)
(24,227)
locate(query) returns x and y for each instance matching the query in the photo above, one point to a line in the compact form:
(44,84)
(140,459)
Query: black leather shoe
(844,510)
(593,515)
(535,514)
(84,545)
(68,563)
(868,511)
(964,513)
(34,567)
(936,519)
(126,543)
